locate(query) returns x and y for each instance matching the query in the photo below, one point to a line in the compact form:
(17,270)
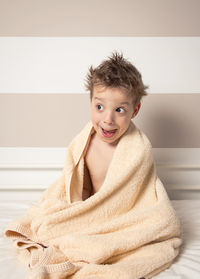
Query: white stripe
(26,172)
(60,64)
(55,157)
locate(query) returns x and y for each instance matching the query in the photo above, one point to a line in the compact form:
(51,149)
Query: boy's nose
(108,119)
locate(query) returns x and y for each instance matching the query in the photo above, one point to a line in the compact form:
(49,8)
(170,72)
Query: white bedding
(186,265)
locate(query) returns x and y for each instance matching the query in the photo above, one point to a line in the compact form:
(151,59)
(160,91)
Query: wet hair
(117,72)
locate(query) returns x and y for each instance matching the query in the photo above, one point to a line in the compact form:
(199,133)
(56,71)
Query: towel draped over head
(127,230)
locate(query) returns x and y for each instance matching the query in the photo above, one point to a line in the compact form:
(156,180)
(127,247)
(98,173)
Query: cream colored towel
(127,230)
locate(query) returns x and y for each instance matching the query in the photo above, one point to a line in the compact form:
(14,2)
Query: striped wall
(46,48)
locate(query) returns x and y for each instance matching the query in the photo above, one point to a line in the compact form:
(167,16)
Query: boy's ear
(136,110)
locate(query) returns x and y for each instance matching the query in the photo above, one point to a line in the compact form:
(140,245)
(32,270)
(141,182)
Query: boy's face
(111,111)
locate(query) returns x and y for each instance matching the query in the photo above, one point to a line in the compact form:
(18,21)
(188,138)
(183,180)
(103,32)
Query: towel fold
(127,230)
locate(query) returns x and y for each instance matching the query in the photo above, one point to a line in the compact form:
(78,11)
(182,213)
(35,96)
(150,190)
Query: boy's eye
(98,106)
(122,109)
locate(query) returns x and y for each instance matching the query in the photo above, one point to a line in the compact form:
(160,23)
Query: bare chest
(98,161)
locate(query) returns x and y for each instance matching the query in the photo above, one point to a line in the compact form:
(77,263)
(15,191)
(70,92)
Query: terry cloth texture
(128,229)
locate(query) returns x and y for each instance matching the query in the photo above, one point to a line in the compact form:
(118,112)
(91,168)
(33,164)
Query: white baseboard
(27,172)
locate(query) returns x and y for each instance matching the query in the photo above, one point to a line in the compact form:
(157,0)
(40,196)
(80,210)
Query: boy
(116,89)
(129,223)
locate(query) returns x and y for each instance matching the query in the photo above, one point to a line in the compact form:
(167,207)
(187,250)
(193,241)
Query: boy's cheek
(96,119)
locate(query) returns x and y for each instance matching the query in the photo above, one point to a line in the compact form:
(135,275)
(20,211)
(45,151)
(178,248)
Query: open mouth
(109,133)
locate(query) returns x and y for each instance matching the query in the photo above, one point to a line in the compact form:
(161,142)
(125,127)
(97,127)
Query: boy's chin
(111,141)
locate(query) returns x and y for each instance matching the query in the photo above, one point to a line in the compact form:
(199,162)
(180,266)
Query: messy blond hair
(117,72)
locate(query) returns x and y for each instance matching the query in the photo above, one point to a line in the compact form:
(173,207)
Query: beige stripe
(52,120)
(100,18)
